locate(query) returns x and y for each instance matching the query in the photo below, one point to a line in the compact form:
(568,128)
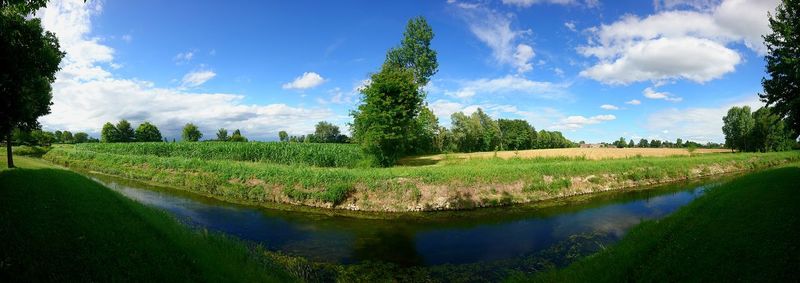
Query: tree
(782,87)
(516,134)
(415,51)
(631,144)
(384,121)
(621,143)
(30,58)
(427,131)
(191,133)
(237,136)
(737,125)
(283,136)
(655,143)
(643,143)
(81,137)
(326,132)
(222,134)
(125,131)
(58,134)
(66,137)
(679,143)
(147,132)
(109,133)
(769,132)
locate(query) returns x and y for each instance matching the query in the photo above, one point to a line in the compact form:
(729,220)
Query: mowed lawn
(743,231)
(588,153)
(56,225)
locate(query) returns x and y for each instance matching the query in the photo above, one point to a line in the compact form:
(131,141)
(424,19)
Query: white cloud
(509,85)
(633,102)
(570,25)
(609,107)
(305,81)
(528,3)
(577,122)
(184,57)
(197,78)
(653,94)
(700,124)
(693,4)
(541,117)
(494,29)
(677,44)
(127,38)
(86,95)
(339,96)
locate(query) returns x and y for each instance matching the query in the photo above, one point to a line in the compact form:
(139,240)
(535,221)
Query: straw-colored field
(589,153)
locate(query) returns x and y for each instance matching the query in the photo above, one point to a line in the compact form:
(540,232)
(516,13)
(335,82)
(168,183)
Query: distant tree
(782,87)
(679,143)
(643,143)
(125,131)
(109,133)
(490,139)
(631,144)
(222,134)
(237,136)
(58,134)
(769,132)
(147,132)
(621,143)
(191,133)
(66,137)
(42,138)
(81,137)
(30,58)
(516,134)
(326,132)
(283,136)
(655,143)
(737,125)
(427,128)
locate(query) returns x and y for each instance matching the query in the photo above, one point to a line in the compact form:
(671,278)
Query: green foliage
(191,133)
(477,132)
(516,134)
(383,124)
(222,134)
(427,129)
(147,132)
(737,125)
(237,137)
(30,58)
(762,130)
(415,51)
(327,133)
(781,88)
(81,137)
(125,131)
(33,151)
(322,155)
(109,133)
(283,136)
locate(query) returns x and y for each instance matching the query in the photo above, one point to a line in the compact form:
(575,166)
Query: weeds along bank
(451,184)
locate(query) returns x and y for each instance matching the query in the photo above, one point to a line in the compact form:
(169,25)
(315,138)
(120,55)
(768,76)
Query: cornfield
(314,154)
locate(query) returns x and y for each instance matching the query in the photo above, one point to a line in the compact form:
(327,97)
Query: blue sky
(595,70)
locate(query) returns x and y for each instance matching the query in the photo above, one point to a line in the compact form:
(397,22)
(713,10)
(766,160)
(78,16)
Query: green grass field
(58,226)
(450,184)
(743,231)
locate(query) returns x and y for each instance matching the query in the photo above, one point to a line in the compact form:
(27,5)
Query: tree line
(655,143)
(763,130)
(46,138)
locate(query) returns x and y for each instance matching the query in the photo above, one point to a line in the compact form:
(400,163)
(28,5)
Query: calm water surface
(419,239)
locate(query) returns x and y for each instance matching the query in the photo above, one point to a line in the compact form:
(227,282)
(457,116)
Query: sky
(595,70)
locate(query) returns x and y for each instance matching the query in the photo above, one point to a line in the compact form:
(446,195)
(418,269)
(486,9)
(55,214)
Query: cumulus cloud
(340,96)
(305,81)
(701,124)
(494,29)
(184,57)
(540,117)
(652,94)
(197,78)
(609,107)
(86,95)
(528,3)
(570,25)
(577,122)
(509,85)
(633,102)
(677,44)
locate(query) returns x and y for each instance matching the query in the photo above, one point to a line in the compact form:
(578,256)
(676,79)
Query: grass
(311,154)
(452,184)
(57,225)
(744,231)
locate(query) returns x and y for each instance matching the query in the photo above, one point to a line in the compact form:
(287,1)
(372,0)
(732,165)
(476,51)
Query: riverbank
(745,230)
(57,225)
(448,185)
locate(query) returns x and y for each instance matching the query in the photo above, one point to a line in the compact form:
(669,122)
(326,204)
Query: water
(420,239)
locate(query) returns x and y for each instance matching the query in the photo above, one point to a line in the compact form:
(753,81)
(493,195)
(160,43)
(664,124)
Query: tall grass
(314,154)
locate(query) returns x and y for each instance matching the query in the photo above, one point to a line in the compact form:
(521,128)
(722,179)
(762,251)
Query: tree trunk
(8,151)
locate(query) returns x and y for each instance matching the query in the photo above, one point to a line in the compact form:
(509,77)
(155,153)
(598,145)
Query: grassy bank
(450,184)
(745,230)
(57,225)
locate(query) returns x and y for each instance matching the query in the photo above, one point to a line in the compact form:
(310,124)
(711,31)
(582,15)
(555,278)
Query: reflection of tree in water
(389,245)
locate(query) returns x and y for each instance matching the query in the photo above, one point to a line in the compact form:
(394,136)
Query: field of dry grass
(588,153)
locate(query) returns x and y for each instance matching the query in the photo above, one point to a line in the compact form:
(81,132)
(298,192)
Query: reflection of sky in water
(410,242)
